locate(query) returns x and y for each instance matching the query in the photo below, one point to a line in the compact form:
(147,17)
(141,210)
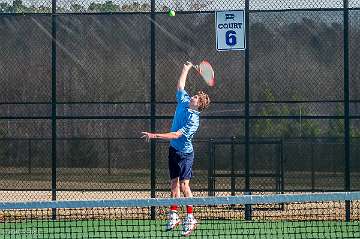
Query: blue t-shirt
(185,120)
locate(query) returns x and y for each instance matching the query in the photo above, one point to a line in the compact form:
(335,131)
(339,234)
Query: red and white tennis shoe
(173,222)
(188,226)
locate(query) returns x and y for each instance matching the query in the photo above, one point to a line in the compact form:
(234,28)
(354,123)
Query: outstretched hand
(147,136)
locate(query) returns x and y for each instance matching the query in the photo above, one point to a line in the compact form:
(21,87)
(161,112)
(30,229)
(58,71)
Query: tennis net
(319,215)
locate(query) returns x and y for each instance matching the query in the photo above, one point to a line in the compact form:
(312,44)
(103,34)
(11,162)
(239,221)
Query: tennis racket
(206,71)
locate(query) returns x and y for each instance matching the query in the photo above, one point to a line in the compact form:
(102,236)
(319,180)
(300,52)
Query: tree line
(18,6)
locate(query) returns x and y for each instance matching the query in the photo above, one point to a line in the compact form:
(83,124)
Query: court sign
(230,30)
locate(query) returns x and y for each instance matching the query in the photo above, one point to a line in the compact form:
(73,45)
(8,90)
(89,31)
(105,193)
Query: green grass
(155,229)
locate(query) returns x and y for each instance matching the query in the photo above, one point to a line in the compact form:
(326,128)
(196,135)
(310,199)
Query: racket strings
(207,72)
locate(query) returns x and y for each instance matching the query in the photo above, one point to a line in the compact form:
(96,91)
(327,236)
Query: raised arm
(182,79)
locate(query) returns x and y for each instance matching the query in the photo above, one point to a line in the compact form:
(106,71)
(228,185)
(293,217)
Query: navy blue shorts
(180,164)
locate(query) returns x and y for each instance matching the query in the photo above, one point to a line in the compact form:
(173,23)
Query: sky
(213,4)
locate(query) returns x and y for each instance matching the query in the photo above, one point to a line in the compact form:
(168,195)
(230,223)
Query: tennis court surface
(321,215)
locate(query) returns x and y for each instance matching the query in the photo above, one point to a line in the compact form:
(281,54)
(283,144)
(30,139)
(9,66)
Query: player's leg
(175,187)
(185,188)
(174,170)
(189,223)
(173,217)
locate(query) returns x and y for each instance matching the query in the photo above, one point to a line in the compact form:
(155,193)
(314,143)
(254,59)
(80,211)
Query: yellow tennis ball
(171,13)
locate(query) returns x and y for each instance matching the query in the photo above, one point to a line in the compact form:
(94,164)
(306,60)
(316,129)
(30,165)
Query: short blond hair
(204,100)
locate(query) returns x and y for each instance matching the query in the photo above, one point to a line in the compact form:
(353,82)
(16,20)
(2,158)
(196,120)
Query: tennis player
(181,153)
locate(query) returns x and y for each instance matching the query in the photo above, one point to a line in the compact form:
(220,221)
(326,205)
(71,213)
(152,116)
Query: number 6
(230,38)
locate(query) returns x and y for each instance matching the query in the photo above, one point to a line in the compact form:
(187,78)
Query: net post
(248,209)
(347,211)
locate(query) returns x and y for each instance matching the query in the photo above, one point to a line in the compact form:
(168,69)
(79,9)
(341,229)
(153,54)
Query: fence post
(108,155)
(282,184)
(29,156)
(312,167)
(211,169)
(53,105)
(152,104)
(346,106)
(247,111)
(233,182)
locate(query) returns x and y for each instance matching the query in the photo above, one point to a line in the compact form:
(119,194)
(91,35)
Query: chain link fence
(82,79)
